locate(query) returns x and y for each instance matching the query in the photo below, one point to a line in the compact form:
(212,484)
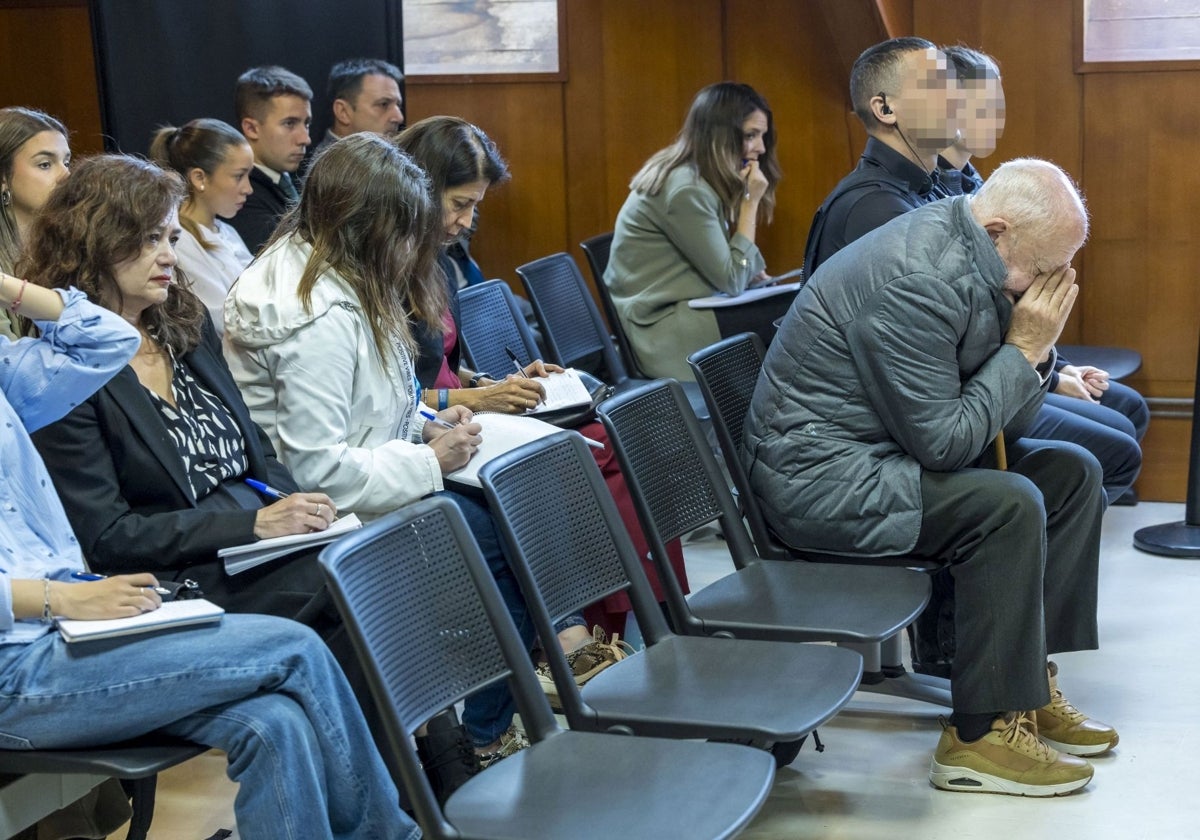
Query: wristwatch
(473,382)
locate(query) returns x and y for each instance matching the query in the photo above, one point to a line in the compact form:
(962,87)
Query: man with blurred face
(904,92)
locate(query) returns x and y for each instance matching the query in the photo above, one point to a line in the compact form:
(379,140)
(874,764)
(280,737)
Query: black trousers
(1023,547)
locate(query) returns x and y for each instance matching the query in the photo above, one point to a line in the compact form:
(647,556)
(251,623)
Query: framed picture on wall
(484,40)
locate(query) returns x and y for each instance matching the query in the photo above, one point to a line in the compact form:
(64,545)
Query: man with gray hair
(870,433)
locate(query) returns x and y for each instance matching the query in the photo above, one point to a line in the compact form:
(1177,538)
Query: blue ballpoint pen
(266,489)
(90,576)
(430,417)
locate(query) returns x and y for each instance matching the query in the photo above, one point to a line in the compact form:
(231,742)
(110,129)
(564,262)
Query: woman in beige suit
(687,229)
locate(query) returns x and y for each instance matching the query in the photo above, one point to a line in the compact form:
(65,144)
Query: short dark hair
(875,71)
(971,65)
(259,85)
(345,77)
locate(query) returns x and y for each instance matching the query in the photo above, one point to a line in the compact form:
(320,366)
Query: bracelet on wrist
(16,302)
(47,613)
(443,399)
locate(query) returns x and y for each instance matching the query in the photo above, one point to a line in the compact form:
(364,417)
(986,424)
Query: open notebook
(501,433)
(563,390)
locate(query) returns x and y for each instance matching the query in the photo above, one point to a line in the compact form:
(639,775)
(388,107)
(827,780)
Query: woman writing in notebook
(151,467)
(463,164)
(261,688)
(688,228)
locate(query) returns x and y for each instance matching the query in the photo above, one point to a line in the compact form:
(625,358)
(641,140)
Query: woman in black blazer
(152,468)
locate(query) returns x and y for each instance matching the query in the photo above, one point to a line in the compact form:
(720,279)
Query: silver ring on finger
(319,509)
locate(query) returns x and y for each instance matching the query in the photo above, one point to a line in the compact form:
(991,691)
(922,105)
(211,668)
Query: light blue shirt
(41,380)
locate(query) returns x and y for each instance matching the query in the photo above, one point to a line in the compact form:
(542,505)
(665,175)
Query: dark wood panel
(47,62)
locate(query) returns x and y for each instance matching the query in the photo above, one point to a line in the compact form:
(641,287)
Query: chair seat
(680,688)
(128,760)
(1120,362)
(800,602)
(534,793)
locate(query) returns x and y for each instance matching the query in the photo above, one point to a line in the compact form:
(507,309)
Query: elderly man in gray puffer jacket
(900,362)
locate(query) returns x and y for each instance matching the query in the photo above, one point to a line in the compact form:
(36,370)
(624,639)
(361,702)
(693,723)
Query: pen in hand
(430,417)
(266,489)
(516,364)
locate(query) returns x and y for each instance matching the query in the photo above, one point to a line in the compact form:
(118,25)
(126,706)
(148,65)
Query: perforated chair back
(727,373)
(597,249)
(575,335)
(429,626)
(673,478)
(490,321)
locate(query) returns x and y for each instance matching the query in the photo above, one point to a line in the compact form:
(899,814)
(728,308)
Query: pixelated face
(929,101)
(982,119)
(377,106)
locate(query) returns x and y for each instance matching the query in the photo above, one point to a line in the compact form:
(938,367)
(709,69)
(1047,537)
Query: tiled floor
(871,780)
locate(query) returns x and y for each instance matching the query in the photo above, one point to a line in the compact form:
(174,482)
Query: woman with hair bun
(215,161)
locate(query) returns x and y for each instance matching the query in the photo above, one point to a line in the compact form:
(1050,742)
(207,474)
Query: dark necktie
(288,188)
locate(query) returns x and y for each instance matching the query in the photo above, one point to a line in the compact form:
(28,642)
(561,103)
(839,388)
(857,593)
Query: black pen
(517,364)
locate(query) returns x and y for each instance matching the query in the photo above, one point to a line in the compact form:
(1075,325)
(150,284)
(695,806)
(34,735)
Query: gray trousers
(1024,550)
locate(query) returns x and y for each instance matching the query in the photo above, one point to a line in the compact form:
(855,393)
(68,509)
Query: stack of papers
(563,390)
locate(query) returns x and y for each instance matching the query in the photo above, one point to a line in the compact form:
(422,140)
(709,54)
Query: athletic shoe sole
(966,780)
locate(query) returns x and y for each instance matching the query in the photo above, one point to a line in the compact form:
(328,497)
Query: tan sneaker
(586,662)
(1067,729)
(1008,759)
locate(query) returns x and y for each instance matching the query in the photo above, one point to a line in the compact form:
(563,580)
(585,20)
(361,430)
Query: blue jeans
(488,713)
(263,689)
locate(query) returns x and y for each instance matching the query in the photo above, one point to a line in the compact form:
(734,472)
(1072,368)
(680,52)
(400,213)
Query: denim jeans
(488,713)
(265,690)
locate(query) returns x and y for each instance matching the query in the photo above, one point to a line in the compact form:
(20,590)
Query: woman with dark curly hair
(151,468)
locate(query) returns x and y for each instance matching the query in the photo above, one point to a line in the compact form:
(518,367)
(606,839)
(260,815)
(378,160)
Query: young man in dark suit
(274,110)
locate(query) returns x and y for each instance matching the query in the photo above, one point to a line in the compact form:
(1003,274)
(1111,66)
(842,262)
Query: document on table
(239,558)
(170,614)
(719,301)
(563,390)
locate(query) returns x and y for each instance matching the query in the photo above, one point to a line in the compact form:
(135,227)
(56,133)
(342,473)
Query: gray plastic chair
(677,487)
(490,321)
(571,325)
(596,249)
(568,549)
(727,373)
(429,627)
(137,763)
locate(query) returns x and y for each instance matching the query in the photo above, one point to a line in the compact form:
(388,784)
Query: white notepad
(239,558)
(501,433)
(563,390)
(169,615)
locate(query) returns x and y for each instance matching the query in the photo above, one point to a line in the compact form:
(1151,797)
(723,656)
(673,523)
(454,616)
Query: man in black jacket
(274,110)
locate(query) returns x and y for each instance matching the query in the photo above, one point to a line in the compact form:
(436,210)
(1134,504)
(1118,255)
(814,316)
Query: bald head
(1035,215)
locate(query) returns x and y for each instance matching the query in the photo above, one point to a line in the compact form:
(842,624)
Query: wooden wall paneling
(790,63)
(585,142)
(525,218)
(47,62)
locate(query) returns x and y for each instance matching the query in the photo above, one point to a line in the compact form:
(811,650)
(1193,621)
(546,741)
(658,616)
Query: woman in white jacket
(317,337)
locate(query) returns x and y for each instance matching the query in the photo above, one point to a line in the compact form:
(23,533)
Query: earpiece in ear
(886,109)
